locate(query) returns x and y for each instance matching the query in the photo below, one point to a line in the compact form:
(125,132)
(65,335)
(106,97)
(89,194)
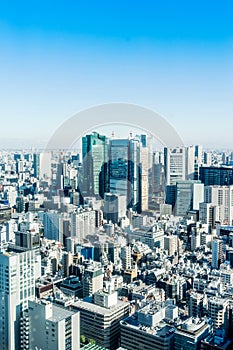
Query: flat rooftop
(60,313)
(88,306)
(161,329)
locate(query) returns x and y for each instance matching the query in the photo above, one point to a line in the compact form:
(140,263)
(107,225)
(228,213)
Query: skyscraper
(82,224)
(128,171)
(189,194)
(134,175)
(17,286)
(199,154)
(217,253)
(53,226)
(190,162)
(171,244)
(144,174)
(222,198)
(216,176)
(174,163)
(207,214)
(95,169)
(36,164)
(126,257)
(114,207)
(118,166)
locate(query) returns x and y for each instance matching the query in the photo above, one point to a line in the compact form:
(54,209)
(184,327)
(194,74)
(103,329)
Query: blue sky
(57,58)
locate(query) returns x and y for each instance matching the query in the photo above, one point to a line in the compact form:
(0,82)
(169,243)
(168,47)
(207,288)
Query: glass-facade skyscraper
(118,166)
(125,170)
(95,159)
(216,176)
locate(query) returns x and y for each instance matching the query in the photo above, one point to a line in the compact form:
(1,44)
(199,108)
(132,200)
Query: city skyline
(115,245)
(58,61)
(116,175)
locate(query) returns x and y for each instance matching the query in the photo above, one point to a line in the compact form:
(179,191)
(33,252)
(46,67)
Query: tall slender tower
(217,253)
(128,171)
(36,164)
(145,166)
(17,286)
(95,169)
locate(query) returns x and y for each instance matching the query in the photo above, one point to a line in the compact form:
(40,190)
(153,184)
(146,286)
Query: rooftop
(92,347)
(60,313)
(161,329)
(89,306)
(193,326)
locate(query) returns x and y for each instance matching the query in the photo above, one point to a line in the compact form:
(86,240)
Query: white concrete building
(174,162)
(218,312)
(82,224)
(51,327)
(221,197)
(17,286)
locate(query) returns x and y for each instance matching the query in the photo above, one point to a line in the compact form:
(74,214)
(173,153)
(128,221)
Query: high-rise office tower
(207,158)
(92,279)
(198,195)
(134,175)
(144,173)
(194,159)
(60,174)
(144,141)
(216,176)
(189,194)
(42,165)
(18,156)
(53,226)
(18,270)
(36,164)
(217,253)
(82,224)
(28,240)
(95,169)
(174,163)
(195,240)
(114,250)
(126,257)
(222,198)
(158,182)
(207,214)
(190,162)
(20,166)
(20,204)
(114,207)
(128,171)
(118,166)
(224,158)
(67,260)
(199,154)
(171,244)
